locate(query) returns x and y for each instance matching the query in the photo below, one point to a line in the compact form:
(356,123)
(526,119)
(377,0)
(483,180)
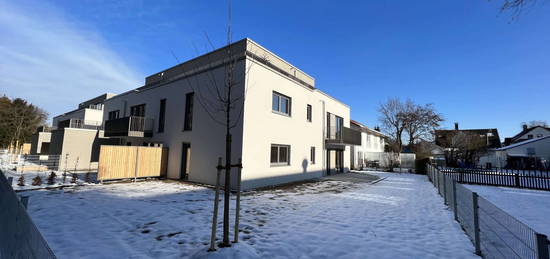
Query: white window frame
(278,162)
(280,98)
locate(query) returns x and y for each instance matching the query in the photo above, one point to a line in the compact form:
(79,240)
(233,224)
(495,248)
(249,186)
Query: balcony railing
(132,126)
(79,124)
(345,136)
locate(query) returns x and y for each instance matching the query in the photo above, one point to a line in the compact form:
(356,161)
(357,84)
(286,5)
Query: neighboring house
(40,141)
(77,135)
(528,133)
(448,139)
(463,147)
(373,144)
(528,154)
(285,128)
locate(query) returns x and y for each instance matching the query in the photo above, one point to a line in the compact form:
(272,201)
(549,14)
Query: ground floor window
(280,154)
(312,155)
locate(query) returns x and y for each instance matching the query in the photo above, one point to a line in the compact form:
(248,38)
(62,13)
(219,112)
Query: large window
(188,123)
(312,155)
(334,126)
(280,154)
(309,112)
(138,110)
(281,103)
(113,115)
(162,114)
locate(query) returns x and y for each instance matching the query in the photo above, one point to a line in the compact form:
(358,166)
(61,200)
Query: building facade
(283,128)
(371,151)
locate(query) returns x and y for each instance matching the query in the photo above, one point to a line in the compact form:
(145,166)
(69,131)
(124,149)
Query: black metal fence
(494,233)
(531,179)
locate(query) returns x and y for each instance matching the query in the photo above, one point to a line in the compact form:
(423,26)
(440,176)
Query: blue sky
(477,66)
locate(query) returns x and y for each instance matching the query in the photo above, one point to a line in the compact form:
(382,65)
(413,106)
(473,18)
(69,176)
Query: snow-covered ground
(528,206)
(399,217)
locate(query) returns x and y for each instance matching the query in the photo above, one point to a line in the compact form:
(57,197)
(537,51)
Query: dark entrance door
(335,161)
(185,157)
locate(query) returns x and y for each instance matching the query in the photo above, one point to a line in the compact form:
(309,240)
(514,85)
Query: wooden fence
(126,162)
(519,179)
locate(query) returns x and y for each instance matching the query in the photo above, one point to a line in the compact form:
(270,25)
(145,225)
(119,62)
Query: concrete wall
(39,142)
(80,145)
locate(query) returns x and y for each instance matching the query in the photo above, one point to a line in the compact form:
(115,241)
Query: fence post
(542,246)
(238,198)
(454,201)
(516,177)
(216,202)
(476,223)
(445,190)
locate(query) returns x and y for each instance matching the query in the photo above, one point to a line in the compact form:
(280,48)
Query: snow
(531,207)
(400,216)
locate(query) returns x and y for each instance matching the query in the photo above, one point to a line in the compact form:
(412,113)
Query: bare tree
(516,7)
(222,98)
(420,121)
(465,146)
(393,121)
(535,123)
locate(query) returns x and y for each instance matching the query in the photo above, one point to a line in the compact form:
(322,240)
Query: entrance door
(335,161)
(185,159)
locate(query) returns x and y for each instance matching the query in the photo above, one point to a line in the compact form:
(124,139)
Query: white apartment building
(284,128)
(370,153)
(76,136)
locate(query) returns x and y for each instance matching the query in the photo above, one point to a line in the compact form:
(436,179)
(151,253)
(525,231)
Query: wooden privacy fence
(518,179)
(125,162)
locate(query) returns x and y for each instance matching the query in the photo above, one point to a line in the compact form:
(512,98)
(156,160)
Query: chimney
(456,125)
(377,128)
(524,127)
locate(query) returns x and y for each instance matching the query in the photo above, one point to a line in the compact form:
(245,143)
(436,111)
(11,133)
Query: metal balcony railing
(132,126)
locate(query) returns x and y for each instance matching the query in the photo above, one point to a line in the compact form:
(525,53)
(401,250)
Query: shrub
(51,178)
(21,181)
(37,181)
(74,177)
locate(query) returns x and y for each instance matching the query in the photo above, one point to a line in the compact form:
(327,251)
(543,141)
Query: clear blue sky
(477,66)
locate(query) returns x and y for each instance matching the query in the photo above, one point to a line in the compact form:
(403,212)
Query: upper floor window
(138,110)
(281,103)
(309,112)
(162,115)
(334,126)
(530,136)
(113,115)
(188,123)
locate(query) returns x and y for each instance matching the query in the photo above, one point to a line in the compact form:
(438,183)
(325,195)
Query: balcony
(346,136)
(132,126)
(79,124)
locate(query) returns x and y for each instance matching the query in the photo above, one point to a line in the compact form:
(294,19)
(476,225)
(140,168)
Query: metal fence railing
(494,233)
(19,237)
(539,180)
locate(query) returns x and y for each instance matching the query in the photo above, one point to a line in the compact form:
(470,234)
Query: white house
(529,154)
(371,150)
(284,128)
(76,136)
(528,133)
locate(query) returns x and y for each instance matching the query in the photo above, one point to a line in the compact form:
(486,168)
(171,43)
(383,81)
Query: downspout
(323,127)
